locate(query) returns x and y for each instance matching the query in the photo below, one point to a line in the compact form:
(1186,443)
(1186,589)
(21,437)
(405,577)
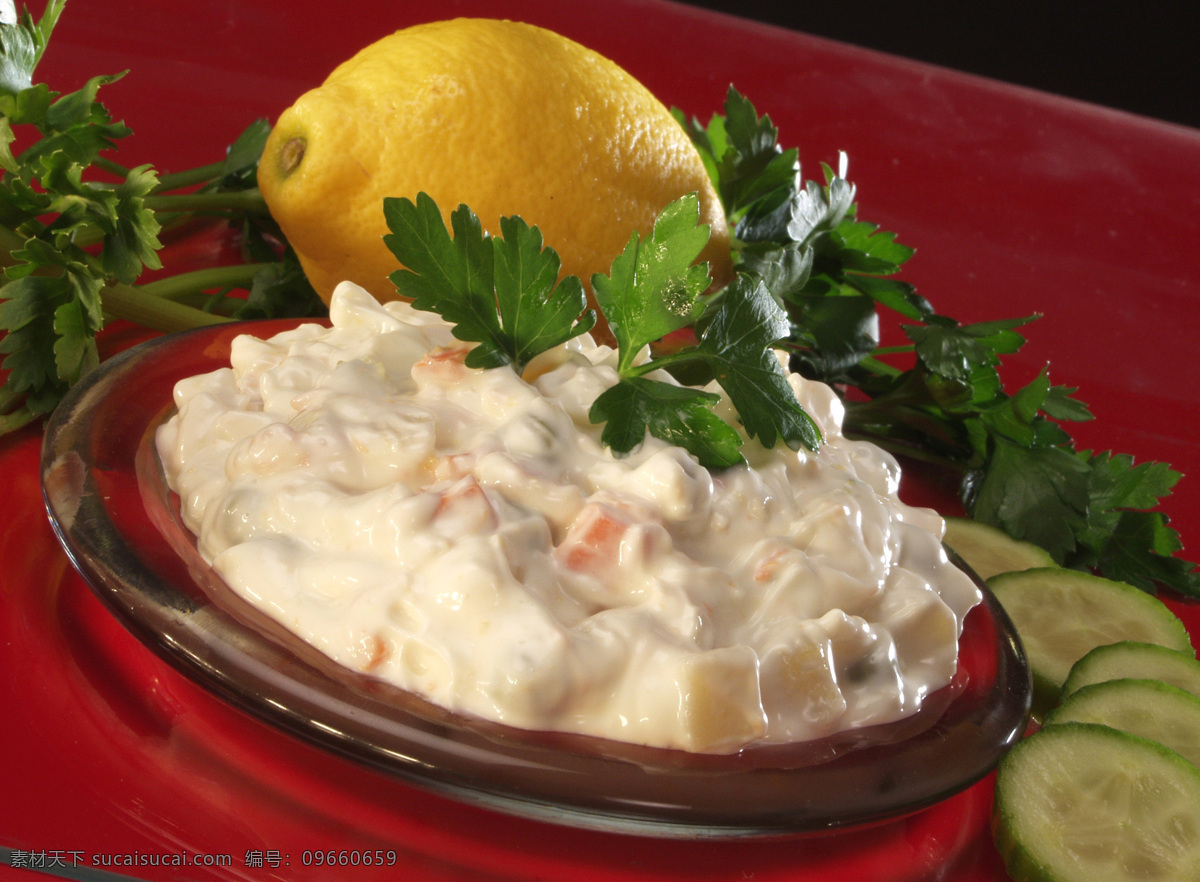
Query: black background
(1141,56)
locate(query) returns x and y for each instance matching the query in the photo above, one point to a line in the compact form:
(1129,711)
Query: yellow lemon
(508,118)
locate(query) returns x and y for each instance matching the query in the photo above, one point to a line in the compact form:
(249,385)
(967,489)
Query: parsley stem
(113,168)
(175,287)
(882,368)
(201,174)
(240,200)
(662,362)
(13,413)
(130,302)
(190,177)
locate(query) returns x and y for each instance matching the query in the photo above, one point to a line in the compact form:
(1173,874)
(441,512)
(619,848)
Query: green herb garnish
(77,231)
(502,293)
(940,398)
(654,289)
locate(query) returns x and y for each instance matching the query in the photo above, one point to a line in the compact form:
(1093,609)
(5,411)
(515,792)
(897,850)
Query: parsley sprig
(653,290)
(502,293)
(940,397)
(77,232)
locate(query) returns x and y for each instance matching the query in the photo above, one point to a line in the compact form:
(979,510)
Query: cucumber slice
(1080,802)
(1061,615)
(1147,708)
(1141,661)
(990,551)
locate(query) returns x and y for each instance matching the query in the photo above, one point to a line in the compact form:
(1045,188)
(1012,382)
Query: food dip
(464,534)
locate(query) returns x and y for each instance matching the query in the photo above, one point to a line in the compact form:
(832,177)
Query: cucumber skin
(1046,689)
(1022,865)
(1093,688)
(1058,716)
(1075,680)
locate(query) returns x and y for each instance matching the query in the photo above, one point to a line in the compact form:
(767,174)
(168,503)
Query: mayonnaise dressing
(464,534)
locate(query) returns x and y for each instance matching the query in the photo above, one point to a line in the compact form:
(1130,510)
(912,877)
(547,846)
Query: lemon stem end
(291,155)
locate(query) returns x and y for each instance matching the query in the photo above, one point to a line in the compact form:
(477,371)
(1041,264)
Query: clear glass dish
(119,524)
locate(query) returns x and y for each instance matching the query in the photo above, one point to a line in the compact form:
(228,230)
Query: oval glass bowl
(119,524)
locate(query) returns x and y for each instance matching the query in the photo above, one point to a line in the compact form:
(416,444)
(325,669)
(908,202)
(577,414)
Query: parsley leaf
(1140,548)
(1123,536)
(654,285)
(452,276)
(22,44)
(1117,482)
(755,178)
(1039,494)
(654,289)
(679,415)
(498,292)
(958,352)
(279,289)
(538,314)
(736,345)
(27,311)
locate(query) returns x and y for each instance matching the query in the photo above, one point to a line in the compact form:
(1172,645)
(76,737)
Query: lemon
(505,117)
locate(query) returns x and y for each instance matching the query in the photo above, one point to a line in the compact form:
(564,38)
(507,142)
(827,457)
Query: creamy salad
(464,534)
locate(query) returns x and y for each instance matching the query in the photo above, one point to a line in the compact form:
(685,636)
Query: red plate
(1017,202)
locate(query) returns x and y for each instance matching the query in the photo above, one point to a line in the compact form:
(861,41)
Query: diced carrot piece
(593,540)
(442,365)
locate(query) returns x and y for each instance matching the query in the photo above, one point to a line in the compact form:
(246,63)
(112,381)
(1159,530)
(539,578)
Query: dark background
(1141,56)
